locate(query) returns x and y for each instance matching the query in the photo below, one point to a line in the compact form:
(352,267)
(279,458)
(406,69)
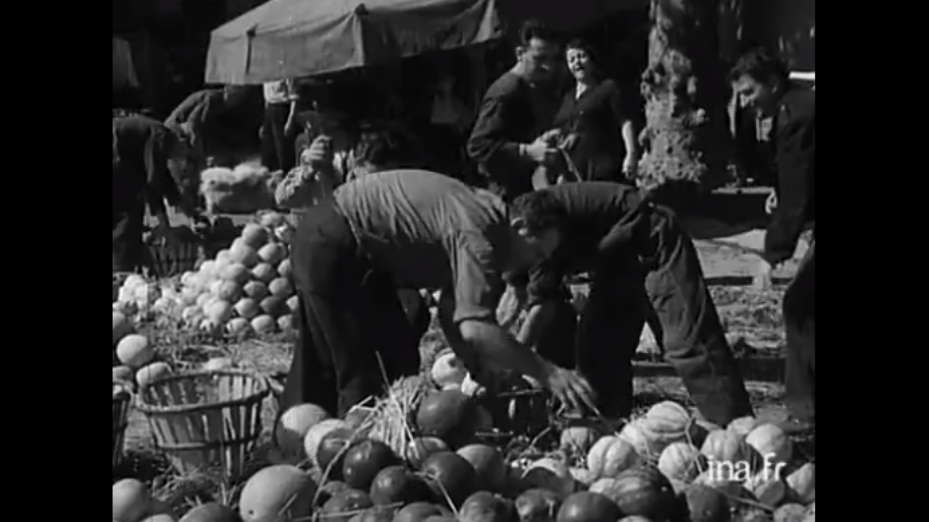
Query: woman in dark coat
(597,120)
(142,149)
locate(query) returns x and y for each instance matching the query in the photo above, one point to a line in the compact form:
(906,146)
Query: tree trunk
(685,139)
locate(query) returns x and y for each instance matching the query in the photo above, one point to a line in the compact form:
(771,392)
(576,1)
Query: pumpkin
(579,439)
(743,425)
(484,506)
(277,492)
(771,443)
(398,485)
(293,425)
(681,461)
(706,504)
(768,489)
(449,415)
(643,491)
(611,455)
(131,500)
(419,512)
(211,512)
(726,446)
(449,475)
(585,506)
(420,448)
(489,466)
(548,473)
(342,505)
(537,505)
(364,460)
(790,513)
(802,484)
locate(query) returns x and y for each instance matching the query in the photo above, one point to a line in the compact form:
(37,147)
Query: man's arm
(543,291)
(487,143)
(160,185)
(622,112)
(796,164)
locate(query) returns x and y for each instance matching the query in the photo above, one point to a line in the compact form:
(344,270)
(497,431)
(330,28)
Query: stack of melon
(247,289)
(134,358)
(136,296)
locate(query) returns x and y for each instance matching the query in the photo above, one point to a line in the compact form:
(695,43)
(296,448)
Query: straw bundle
(391,418)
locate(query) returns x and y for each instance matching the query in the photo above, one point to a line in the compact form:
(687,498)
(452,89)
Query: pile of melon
(133,355)
(654,470)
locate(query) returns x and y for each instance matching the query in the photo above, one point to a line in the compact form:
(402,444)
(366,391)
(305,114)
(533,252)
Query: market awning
(299,38)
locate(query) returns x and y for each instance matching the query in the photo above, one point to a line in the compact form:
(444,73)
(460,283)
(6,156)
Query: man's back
(411,222)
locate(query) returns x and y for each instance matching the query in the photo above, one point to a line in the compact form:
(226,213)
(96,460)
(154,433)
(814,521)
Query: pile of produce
(247,289)
(416,456)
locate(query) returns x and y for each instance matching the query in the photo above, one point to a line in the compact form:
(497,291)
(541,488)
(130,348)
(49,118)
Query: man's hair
(534,28)
(384,146)
(761,66)
(540,210)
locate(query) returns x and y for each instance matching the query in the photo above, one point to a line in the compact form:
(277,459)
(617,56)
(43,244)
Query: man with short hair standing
(762,83)
(277,133)
(516,109)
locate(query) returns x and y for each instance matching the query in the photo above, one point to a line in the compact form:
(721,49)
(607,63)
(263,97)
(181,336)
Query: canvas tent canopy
(299,38)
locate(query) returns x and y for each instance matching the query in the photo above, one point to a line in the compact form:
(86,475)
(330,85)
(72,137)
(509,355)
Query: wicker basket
(122,399)
(170,260)
(203,419)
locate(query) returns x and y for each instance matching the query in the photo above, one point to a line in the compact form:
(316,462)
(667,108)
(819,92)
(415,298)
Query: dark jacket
(795,156)
(141,148)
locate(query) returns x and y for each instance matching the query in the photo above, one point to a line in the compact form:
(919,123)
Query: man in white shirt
(277,133)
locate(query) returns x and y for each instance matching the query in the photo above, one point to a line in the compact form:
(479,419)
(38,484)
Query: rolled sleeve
(478,283)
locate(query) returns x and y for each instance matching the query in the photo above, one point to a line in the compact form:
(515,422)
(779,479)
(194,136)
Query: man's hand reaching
(570,388)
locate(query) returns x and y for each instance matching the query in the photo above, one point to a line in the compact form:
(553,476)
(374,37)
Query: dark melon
(420,511)
(643,491)
(484,506)
(331,452)
(449,415)
(364,460)
(344,505)
(211,512)
(538,505)
(421,447)
(705,504)
(588,507)
(398,485)
(449,474)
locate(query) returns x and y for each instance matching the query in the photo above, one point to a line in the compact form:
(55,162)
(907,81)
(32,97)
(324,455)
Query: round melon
(802,484)
(285,270)
(256,290)
(218,363)
(236,272)
(585,506)
(768,489)
(610,456)
(204,299)
(448,371)
(643,491)
(420,512)
(218,311)
(272,253)
(771,444)
(264,273)
(418,449)
(187,276)
(275,492)
(537,505)
(121,327)
(344,504)
(398,485)
(633,434)
(489,466)
(247,308)
(681,461)
(484,506)
(743,425)
(243,254)
(281,288)
(449,415)
(578,439)
(131,500)
(208,267)
(122,374)
(293,302)
(292,427)
(726,446)
(273,306)
(790,513)
(449,474)
(315,434)
(583,476)
(332,450)
(285,322)
(211,512)
(254,235)
(264,324)
(705,504)
(364,460)
(548,473)
(151,372)
(329,489)
(271,220)
(668,422)
(229,291)
(224,256)
(135,351)
(238,327)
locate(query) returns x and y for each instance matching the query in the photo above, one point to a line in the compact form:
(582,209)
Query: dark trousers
(800,324)
(349,315)
(277,147)
(669,280)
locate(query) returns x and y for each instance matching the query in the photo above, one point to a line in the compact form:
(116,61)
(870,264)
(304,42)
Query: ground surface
(751,314)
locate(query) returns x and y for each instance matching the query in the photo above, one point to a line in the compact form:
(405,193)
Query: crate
(203,419)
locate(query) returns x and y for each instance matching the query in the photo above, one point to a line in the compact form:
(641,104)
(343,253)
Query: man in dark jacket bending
(762,83)
(637,256)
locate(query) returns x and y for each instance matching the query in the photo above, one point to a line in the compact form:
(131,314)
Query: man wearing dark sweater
(762,83)
(516,109)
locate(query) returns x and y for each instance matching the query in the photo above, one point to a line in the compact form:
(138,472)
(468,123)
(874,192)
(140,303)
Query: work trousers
(800,325)
(661,274)
(277,146)
(350,319)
